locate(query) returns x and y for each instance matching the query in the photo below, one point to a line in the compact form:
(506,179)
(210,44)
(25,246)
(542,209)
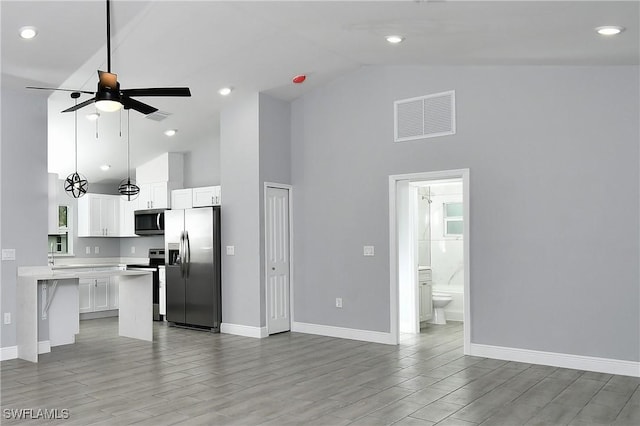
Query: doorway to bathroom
(429,253)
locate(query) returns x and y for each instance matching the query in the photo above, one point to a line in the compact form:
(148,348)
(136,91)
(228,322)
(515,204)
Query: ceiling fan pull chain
(108,40)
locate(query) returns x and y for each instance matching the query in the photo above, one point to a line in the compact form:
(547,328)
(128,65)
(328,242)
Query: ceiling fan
(109,97)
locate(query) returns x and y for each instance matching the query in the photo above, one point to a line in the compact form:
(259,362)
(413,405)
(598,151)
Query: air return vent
(158,115)
(425,116)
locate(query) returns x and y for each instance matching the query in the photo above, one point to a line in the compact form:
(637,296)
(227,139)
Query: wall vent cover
(425,116)
(158,115)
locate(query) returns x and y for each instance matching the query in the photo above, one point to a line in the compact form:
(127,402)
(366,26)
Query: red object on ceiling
(299,79)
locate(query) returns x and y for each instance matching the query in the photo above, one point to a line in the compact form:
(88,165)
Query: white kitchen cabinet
(93,295)
(127,217)
(85,295)
(99,215)
(206,196)
(154,195)
(182,198)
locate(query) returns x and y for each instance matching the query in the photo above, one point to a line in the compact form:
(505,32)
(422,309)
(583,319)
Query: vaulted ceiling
(260,46)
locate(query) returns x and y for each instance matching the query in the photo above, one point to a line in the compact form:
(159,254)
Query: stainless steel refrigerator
(192,251)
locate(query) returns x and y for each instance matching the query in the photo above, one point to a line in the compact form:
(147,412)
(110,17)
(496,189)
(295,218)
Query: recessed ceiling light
(225,91)
(28,32)
(394,39)
(105,167)
(93,116)
(609,30)
(170,132)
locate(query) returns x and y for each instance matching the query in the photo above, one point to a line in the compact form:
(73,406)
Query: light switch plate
(338,302)
(368,250)
(133,249)
(231,250)
(87,250)
(96,250)
(8,254)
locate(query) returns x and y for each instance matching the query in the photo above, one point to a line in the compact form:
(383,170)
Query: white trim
(264,204)
(343,333)
(9,352)
(243,330)
(393,247)
(44,347)
(576,362)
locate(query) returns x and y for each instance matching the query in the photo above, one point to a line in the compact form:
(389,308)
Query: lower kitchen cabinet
(97,294)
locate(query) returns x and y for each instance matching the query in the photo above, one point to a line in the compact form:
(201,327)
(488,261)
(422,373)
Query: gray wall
(553,159)
(24,192)
(275,162)
(202,164)
(239,163)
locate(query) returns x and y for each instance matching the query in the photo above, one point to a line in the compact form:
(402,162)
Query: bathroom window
(453,223)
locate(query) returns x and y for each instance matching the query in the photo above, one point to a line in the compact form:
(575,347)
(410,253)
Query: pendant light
(76,185)
(128,188)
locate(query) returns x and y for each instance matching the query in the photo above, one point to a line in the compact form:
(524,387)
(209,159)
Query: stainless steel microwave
(149,222)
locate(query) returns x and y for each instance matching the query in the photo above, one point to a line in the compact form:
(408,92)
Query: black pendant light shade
(128,188)
(76,185)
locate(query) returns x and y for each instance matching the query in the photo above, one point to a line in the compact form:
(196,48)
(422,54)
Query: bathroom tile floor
(193,377)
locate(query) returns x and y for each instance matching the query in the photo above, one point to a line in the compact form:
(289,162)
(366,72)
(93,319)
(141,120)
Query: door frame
(288,188)
(394,320)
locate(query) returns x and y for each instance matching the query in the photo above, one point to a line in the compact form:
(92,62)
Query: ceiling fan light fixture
(28,32)
(108,105)
(609,30)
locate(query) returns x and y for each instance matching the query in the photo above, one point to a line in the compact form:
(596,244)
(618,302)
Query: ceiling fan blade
(107,80)
(65,90)
(80,105)
(143,108)
(158,91)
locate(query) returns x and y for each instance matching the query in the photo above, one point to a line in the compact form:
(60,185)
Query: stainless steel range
(156,259)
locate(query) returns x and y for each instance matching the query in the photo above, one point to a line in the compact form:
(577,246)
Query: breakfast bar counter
(61,304)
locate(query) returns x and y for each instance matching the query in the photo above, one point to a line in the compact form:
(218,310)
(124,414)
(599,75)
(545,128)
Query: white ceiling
(260,46)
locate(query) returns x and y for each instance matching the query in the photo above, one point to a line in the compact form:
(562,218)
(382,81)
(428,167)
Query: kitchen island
(61,305)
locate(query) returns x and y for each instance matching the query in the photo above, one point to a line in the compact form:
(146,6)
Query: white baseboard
(244,330)
(44,347)
(454,315)
(9,352)
(343,333)
(577,362)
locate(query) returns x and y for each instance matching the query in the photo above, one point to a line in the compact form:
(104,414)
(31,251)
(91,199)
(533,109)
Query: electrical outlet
(96,250)
(133,249)
(368,250)
(87,250)
(338,302)
(8,254)
(231,250)
(7,317)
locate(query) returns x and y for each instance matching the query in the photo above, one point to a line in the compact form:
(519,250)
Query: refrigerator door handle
(188,251)
(181,252)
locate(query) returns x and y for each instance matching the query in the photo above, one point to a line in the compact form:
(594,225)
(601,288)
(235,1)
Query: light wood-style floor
(193,377)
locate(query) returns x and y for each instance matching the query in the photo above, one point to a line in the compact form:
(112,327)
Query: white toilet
(440,300)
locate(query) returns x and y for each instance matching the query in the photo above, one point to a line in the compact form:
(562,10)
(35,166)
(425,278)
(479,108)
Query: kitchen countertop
(47,273)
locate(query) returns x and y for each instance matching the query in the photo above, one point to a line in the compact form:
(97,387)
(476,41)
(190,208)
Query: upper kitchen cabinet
(127,220)
(99,215)
(157,178)
(206,196)
(195,197)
